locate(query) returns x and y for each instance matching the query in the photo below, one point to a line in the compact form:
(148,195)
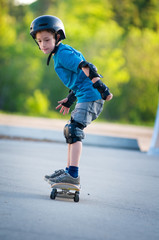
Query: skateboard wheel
(53,194)
(76,197)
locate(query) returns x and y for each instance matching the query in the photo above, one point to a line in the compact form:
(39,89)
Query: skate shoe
(54,175)
(65,178)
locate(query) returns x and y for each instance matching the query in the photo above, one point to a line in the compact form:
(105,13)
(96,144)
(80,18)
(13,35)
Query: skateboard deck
(65,190)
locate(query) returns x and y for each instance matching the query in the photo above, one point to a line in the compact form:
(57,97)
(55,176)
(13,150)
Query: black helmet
(47,22)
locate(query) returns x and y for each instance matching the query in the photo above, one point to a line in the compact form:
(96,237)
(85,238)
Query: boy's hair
(47,30)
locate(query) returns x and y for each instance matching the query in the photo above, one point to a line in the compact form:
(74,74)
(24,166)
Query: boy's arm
(66,103)
(71,98)
(91,71)
(63,109)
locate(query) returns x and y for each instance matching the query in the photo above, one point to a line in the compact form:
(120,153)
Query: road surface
(119,199)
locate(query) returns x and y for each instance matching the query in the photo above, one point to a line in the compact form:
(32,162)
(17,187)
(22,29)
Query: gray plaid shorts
(86,112)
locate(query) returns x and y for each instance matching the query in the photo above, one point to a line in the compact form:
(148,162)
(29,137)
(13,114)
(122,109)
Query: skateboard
(65,190)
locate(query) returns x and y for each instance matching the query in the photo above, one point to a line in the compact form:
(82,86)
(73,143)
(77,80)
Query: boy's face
(46,41)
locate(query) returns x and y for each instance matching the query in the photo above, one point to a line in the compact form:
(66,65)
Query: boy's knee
(73,132)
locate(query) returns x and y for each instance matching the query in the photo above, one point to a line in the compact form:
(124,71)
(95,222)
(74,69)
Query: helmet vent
(43,24)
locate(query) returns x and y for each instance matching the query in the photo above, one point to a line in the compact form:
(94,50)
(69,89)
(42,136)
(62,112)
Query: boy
(82,78)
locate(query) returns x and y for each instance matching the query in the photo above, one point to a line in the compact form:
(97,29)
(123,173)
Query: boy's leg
(71,173)
(75,153)
(84,114)
(68,155)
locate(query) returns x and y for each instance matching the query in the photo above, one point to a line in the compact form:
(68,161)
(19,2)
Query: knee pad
(73,132)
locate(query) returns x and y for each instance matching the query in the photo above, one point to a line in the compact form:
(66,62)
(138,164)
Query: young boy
(84,82)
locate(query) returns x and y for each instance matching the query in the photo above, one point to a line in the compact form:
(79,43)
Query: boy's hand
(109,97)
(63,109)
(102,89)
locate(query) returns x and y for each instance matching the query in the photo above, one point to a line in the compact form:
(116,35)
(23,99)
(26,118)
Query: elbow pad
(92,69)
(71,99)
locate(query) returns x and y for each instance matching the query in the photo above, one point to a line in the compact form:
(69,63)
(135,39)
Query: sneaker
(54,175)
(65,178)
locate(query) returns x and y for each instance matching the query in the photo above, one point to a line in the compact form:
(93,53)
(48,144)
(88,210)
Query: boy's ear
(58,37)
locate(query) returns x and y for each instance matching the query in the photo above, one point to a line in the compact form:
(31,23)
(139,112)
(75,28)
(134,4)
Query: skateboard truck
(65,190)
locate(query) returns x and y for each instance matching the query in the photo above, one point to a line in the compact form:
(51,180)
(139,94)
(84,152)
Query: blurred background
(120,37)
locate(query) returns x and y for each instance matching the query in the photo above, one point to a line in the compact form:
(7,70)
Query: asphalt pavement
(119,199)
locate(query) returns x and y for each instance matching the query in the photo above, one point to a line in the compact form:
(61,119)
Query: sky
(24,1)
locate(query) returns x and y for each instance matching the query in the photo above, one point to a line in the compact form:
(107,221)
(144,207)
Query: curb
(57,136)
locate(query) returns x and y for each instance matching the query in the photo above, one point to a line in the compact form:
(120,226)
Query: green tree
(139,97)
(119,37)
(20,72)
(37,104)
(138,13)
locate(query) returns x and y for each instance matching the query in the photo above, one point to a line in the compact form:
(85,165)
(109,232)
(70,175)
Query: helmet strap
(54,50)
(37,43)
(50,55)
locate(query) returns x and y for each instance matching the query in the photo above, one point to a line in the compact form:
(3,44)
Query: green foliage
(38,103)
(120,37)
(139,13)
(142,59)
